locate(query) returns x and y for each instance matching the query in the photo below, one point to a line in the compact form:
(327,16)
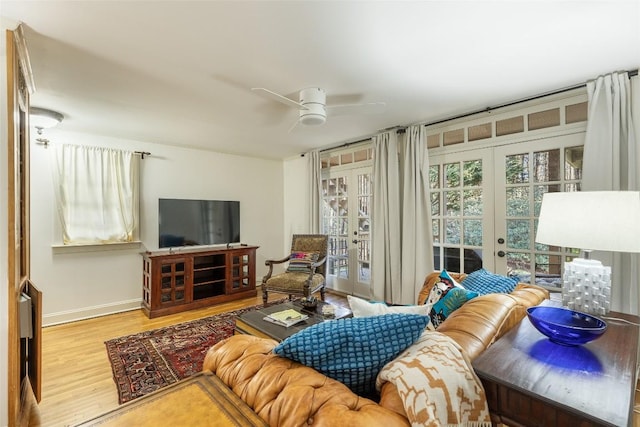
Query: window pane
(518,201)
(453,231)
(473,232)
(472,173)
(435,227)
(453,203)
(452,175)
(518,234)
(519,265)
(435,204)
(517,169)
(472,203)
(573,163)
(546,166)
(434,176)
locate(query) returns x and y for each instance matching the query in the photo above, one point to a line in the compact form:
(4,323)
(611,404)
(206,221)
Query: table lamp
(589,220)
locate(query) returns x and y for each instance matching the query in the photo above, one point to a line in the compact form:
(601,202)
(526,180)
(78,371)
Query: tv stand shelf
(175,281)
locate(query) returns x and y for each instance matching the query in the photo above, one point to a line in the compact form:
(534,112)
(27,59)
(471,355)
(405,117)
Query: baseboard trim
(90,312)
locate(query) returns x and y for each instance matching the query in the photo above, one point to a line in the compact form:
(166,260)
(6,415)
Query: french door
(461,194)
(346,219)
(485,203)
(524,173)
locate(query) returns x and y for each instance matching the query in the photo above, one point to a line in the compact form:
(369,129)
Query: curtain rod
(45,143)
(402,129)
(142,154)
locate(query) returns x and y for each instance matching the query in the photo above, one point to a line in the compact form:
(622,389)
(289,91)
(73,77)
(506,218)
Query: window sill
(69,249)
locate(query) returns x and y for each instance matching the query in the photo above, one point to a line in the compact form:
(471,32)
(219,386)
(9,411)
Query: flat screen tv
(185,222)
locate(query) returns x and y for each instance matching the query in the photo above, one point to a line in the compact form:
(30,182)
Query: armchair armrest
(270,263)
(316,264)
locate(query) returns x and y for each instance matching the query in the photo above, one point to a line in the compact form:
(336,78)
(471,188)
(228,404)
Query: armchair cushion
(301,261)
(286,282)
(353,350)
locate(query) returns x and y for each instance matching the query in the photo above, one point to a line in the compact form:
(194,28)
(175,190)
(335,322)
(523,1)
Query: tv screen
(185,222)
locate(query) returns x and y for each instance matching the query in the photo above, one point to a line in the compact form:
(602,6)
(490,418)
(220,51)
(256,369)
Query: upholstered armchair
(305,274)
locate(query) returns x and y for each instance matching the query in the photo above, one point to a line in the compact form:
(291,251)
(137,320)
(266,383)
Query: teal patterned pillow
(353,350)
(446,278)
(483,282)
(301,261)
(452,299)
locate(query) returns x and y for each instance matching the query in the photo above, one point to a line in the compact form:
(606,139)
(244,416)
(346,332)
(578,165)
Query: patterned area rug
(147,361)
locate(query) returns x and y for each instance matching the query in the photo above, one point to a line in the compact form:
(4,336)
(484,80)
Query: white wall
(296,199)
(77,285)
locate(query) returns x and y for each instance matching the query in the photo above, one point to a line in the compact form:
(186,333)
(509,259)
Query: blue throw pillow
(353,350)
(451,299)
(446,278)
(484,282)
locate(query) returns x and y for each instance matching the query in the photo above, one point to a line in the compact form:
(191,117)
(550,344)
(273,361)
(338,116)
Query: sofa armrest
(285,393)
(483,320)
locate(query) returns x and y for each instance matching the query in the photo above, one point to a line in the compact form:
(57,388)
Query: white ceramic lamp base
(587,286)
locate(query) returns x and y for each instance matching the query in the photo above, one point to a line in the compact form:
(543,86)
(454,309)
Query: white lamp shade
(591,220)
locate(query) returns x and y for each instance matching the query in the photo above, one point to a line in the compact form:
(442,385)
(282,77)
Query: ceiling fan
(312,105)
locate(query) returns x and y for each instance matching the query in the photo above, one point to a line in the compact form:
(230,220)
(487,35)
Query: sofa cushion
(362,308)
(353,350)
(301,261)
(484,282)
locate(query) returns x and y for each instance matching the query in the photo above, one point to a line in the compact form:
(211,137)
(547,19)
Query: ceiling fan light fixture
(314,100)
(43,118)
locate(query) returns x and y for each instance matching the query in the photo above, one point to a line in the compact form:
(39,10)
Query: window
(96,194)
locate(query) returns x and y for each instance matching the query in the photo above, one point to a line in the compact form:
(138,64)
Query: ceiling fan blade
(294,126)
(369,108)
(277,97)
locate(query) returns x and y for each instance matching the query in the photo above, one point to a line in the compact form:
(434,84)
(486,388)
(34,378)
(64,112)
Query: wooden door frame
(19,88)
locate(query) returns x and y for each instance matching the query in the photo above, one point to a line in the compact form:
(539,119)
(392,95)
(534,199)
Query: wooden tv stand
(183,279)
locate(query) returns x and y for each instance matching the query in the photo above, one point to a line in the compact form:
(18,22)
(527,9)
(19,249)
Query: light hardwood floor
(77,379)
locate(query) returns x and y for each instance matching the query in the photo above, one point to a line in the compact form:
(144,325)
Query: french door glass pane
(518,202)
(347,197)
(517,169)
(364,222)
(551,170)
(472,203)
(456,197)
(452,175)
(472,176)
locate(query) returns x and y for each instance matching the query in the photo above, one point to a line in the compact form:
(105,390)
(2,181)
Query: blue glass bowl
(564,326)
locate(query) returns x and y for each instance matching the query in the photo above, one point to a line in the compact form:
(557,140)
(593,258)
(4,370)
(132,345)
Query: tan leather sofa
(285,393)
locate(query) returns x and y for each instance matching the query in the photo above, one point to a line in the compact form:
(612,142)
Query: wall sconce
(590,220)
(41,118)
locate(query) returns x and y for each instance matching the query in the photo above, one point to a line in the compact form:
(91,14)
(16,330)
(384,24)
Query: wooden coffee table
(252,322)
(530,381)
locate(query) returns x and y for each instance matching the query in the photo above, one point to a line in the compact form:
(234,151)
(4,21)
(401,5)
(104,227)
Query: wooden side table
(530,381)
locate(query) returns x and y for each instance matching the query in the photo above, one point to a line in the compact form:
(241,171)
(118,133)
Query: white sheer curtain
(611,161)
(385,219)
(417,238)
(315,191)
(96,193)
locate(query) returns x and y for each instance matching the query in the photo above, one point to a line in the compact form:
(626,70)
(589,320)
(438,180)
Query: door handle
(354,241)
(501,254)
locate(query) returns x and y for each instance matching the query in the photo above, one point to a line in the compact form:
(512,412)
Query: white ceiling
(180,72)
